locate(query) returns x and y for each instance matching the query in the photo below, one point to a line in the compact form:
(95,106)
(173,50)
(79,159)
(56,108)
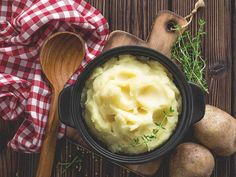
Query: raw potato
(217,131)
(191,160)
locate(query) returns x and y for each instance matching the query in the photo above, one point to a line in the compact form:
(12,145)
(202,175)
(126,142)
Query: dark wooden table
(136,16)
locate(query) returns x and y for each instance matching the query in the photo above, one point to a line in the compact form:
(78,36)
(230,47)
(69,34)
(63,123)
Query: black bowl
(193,105)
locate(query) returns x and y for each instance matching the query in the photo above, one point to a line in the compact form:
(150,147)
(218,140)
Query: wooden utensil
(60,56)
(161,38)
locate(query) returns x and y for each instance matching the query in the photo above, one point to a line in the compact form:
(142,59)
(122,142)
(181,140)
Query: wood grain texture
(131,15)
(136,17)
(217,51)
(160,37)
(8,158)
(233,5)
(234,59)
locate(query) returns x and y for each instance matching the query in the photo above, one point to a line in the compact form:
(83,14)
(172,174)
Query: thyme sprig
(145,139)
(77,159)
(187,51)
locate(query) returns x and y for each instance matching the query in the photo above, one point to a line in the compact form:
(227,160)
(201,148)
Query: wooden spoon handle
(49,144)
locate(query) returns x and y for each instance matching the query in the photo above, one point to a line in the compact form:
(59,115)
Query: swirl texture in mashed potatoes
(125,99)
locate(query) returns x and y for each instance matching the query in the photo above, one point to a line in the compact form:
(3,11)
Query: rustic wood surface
(135,17)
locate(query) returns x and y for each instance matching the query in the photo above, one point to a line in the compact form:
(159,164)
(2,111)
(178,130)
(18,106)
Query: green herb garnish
(187,51)
(67,165)
(145,139)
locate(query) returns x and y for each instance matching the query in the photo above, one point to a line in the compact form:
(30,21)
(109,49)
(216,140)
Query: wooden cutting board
(161,38)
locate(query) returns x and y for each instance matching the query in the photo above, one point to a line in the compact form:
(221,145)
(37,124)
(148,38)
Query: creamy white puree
(124,98)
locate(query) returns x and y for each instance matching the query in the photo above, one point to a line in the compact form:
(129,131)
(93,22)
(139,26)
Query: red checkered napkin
(24,25)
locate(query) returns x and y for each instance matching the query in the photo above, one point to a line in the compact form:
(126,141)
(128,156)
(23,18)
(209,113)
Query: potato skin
(217,131)
(191,160)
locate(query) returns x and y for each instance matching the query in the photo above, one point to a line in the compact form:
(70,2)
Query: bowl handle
(64,106)
(198,103)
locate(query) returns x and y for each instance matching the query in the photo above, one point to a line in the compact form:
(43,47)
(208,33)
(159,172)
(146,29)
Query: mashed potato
(126,104)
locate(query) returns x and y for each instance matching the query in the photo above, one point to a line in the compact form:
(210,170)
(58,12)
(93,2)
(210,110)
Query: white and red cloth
(24,25)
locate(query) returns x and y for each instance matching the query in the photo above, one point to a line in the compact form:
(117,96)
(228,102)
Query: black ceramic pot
(193,105)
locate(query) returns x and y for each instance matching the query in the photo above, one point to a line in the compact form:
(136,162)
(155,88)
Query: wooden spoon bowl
(60,56)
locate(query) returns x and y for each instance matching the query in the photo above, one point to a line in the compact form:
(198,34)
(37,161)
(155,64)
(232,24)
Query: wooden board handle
(162,37)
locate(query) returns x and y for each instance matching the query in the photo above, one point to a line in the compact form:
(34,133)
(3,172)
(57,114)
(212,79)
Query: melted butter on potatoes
(125,98)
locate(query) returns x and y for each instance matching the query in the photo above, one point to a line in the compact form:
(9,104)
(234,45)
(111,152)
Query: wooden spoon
(60,56)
